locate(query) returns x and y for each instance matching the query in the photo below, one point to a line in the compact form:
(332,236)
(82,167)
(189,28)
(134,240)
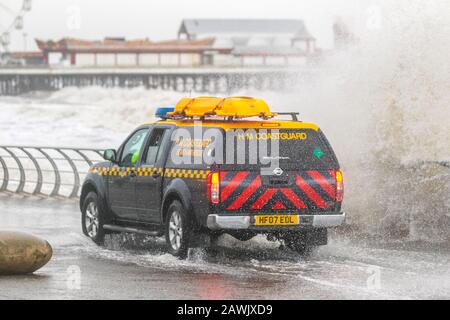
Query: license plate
(276,220)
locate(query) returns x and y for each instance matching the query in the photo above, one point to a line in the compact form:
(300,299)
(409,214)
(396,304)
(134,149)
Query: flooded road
(131,268)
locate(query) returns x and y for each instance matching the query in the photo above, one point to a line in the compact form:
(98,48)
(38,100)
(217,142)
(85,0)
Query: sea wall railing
(45,171)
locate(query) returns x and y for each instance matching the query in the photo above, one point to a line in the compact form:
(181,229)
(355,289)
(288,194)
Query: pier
(213,80)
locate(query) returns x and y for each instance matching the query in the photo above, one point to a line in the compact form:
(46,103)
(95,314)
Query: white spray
(384,103)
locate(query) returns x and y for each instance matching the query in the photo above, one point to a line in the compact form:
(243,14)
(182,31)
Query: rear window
(310,152)
(297,148)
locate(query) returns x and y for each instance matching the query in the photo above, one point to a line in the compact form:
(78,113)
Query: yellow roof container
(224,107)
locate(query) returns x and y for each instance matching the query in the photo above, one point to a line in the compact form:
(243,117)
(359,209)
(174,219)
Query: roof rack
(294,115)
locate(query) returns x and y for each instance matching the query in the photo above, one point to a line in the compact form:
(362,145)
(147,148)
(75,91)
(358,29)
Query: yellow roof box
(223,107)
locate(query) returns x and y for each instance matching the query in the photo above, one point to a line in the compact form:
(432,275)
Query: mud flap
(317,237)
(200,240)
(306,237)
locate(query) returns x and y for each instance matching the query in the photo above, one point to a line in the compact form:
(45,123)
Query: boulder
(21,253)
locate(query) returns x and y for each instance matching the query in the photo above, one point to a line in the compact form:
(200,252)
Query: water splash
(384,104)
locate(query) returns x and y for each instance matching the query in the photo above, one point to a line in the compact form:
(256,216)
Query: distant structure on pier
(201,42)
(118,52)
(23,58)
(252,42)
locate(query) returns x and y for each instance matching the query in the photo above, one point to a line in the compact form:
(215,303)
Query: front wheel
(92,219)
(178,230)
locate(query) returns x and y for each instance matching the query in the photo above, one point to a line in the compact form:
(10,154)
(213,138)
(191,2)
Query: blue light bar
(162,112)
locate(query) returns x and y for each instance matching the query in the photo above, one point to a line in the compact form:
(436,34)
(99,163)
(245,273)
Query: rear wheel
(303,249)
(243,235)
(299,242)
(92,219)
(212,249)
(178,230)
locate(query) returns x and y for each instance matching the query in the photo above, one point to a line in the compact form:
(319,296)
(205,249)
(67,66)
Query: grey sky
(159,19)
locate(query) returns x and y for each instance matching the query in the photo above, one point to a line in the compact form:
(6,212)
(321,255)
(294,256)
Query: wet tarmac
(131,267)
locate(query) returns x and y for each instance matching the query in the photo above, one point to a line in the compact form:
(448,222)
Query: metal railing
(48,171)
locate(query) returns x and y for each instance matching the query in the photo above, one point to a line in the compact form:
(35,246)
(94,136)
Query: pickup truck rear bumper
(223,222)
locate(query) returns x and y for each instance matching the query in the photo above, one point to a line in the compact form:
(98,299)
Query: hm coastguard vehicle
(213,166)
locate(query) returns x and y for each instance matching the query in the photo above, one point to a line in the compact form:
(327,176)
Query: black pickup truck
(143,187)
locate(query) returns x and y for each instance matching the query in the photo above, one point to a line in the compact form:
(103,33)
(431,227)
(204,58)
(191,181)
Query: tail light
(214,187)
(339,186)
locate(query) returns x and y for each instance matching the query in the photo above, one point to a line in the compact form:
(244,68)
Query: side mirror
(110,155)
